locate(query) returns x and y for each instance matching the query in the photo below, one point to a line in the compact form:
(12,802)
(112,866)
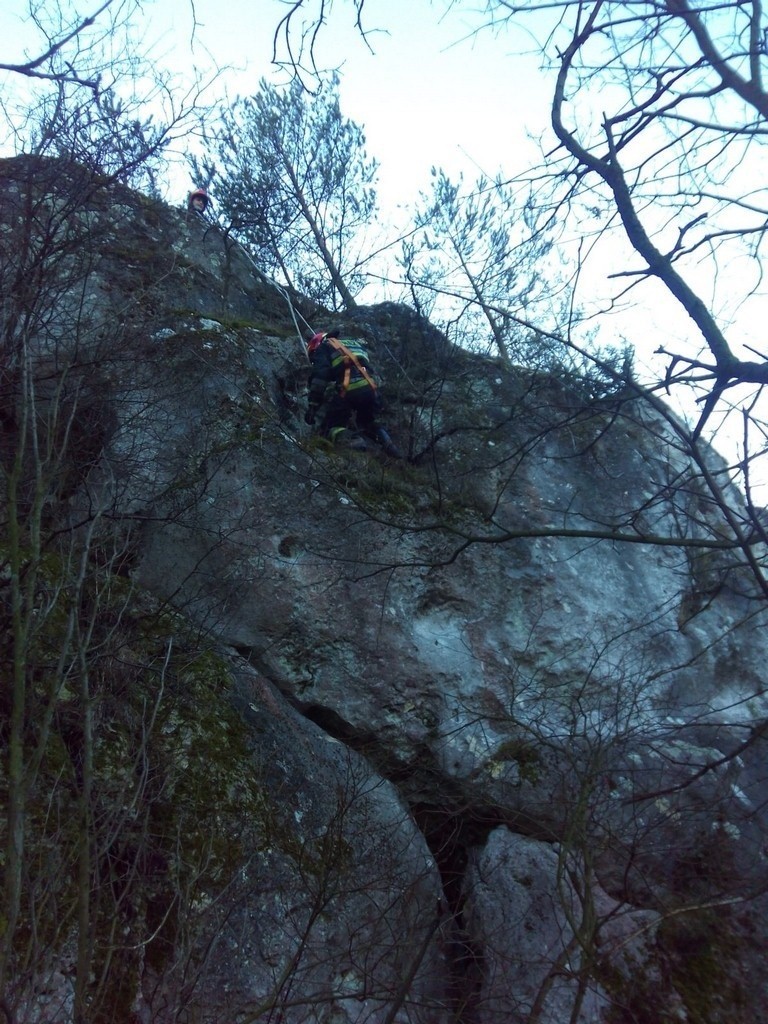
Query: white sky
(430,94)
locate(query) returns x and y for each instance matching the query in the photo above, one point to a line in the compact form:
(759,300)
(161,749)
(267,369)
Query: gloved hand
(309,415)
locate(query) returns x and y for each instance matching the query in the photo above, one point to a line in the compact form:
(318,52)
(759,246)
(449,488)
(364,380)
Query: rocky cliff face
(441,739)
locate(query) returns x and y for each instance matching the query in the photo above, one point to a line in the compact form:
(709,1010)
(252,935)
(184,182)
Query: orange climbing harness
(350,359)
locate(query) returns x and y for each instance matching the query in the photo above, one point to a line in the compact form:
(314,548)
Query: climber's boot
(386,442)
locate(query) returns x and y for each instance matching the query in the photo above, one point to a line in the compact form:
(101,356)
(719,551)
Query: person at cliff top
(198,200)
(343,369)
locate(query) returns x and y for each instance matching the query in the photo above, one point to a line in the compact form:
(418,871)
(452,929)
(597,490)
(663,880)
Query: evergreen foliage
(477,263)
(294,182)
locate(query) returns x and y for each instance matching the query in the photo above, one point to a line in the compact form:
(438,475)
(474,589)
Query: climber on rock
(343,369)
(197,201)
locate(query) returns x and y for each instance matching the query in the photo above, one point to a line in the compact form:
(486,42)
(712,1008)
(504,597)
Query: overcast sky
(432,92)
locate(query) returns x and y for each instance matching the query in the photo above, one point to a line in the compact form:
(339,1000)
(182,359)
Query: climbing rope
(295,315)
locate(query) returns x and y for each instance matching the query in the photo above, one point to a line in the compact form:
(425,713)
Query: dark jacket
(344,364)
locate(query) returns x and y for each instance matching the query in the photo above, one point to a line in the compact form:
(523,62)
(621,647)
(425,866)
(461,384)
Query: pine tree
(480,251)
(297,187)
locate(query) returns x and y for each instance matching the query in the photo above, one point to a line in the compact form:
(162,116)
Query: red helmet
(199,193)
(313,342)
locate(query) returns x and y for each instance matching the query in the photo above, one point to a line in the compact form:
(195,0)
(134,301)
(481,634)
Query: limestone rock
(457,688)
